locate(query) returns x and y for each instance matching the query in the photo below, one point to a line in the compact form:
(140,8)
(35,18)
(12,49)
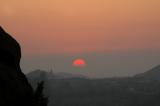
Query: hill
(51,75)
(152,74)
(139,90)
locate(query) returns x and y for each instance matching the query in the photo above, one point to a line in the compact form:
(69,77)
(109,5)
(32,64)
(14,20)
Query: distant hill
(65,89)
(152,74)
(51,75)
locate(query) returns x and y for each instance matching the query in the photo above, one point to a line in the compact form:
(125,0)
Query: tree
(40,99)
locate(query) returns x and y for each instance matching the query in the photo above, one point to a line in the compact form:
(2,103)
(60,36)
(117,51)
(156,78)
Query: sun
(79,63)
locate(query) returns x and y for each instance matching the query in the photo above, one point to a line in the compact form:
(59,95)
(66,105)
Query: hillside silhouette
(14,87)
(140,90)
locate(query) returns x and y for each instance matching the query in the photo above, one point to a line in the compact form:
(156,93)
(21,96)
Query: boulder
(14,87)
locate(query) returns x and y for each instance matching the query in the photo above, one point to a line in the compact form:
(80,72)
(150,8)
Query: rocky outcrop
(14,87)
(10,50)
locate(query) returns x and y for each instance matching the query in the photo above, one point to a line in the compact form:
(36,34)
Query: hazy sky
(109,34)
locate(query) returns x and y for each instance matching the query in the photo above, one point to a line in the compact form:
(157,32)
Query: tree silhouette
(40,99)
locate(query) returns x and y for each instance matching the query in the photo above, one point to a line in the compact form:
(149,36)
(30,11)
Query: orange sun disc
(79,63)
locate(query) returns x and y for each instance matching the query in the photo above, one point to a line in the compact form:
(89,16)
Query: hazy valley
(64,89)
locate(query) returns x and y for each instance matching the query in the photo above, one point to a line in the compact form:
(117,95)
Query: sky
(115,37)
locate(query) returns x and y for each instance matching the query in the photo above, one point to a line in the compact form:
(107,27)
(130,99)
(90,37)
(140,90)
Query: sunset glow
(60,26)
(114,36)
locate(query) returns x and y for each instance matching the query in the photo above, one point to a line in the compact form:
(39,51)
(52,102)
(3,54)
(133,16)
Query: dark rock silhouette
(10,50)
(14,87)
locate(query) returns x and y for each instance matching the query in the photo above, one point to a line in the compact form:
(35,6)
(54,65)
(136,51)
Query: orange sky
(82,26)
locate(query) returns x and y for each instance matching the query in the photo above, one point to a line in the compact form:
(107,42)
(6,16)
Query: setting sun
(79,63)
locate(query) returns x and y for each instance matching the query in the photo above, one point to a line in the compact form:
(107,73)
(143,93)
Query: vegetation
(40,99)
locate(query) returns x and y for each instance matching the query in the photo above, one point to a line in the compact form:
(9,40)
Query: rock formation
(14,87)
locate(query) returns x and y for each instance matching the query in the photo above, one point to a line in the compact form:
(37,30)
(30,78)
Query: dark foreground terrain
(139,90)
(14,87)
